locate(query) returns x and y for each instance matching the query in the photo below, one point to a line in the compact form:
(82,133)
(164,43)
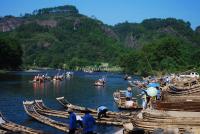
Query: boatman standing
(128,94)
(79,121)
(88,123)
(144,99)
(101,111)
(72,121)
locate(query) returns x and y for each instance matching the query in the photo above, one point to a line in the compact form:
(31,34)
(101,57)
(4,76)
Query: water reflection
(40,88)
(100,87)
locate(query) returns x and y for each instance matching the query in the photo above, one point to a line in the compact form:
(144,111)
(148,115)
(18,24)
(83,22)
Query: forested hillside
(159,45)
(10,53)
(61,36)
(52,37)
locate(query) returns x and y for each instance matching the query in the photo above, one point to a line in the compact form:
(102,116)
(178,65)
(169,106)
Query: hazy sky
(114,11)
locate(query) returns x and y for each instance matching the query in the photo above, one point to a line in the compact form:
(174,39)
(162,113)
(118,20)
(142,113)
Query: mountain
(136,35)
(61,36)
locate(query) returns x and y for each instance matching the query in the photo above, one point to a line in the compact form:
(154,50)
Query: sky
(114,11)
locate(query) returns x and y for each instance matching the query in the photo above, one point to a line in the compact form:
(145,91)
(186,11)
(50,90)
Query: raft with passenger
(127,77)
(122,103)
(100,82)
(58,78)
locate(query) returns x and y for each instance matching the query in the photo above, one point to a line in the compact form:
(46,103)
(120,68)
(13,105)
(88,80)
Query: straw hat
(129,88)
(69,110)
(86,110)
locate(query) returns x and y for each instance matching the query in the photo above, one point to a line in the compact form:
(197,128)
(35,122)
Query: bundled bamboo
(30,110)
(152,119)
(11,127)
(177,106)
(184,87)
(182,98)
(173,91)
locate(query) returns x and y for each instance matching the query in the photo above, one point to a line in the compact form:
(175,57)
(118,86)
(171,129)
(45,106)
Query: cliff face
(136,35)
(10,23)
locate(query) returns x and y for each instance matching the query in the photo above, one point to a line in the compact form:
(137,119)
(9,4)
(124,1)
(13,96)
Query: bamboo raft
(30,110)
(177,106)
(109,120)
(151,120)
(173,91)
(10,127)
(67,105)
(120,100)
(184,87)
(182,98)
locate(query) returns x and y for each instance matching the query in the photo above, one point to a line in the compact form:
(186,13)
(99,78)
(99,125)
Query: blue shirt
(158,93)
(101,108)
(72,121)
(129,94)
(88,123)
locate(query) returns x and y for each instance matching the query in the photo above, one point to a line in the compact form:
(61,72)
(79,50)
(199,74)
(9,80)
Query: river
(16,88)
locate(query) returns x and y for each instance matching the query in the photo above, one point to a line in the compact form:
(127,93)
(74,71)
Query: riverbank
(3,71)
(87,68)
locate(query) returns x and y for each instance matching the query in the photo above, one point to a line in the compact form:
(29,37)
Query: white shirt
(78,118)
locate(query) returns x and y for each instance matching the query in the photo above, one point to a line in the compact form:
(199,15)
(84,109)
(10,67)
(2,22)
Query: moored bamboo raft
(182,98)
(10,127)
(122,103)
(185,92)
(30,110)
(184,120)
(184,88)
(151,126)
(177,106)
(66,104)
(109,120)
(153,119)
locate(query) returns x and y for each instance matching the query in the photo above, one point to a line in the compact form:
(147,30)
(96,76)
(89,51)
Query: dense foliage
(53,38)
(61,37)
(161,45)
(10,53)
(167,54)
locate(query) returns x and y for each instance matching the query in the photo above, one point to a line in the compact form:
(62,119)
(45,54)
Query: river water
(16,88)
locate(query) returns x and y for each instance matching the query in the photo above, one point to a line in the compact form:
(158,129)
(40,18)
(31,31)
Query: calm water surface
(15,88)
